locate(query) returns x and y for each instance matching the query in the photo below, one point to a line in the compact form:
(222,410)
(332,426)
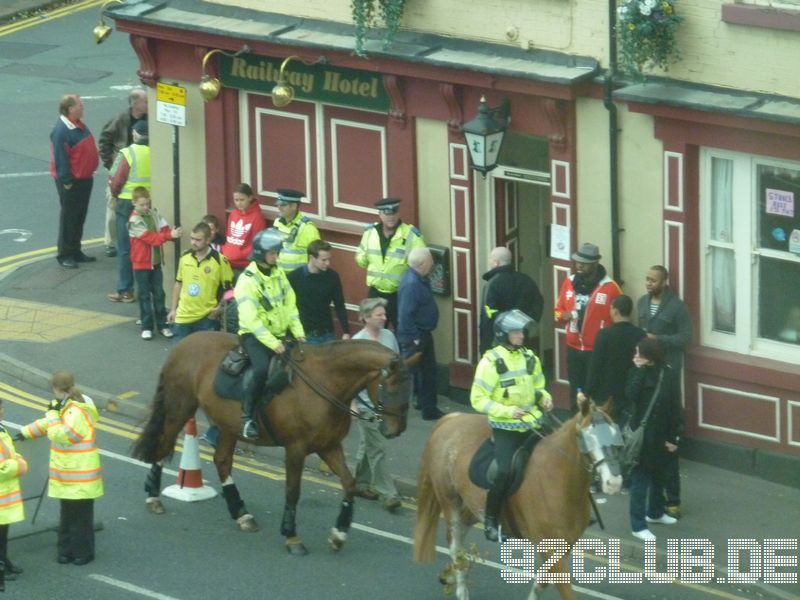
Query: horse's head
(600,438)
(392,394)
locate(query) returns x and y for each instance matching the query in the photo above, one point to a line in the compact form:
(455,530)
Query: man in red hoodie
(584,306)
(73,161)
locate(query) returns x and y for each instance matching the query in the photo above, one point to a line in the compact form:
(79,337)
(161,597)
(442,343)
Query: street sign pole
(171,109)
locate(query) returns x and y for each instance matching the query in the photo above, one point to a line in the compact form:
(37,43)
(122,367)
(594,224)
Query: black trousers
(391,306)
(74,206)
(424,372)
(577,371)
(260,357)
(506,443)
(76,529)
(4,543)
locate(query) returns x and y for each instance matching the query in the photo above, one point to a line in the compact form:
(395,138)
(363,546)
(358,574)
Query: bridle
(378,411)
(597,418)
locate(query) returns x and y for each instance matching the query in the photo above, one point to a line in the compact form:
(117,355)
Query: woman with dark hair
(653,381)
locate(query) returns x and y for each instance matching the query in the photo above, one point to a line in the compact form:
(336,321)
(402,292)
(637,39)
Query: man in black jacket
(505,290)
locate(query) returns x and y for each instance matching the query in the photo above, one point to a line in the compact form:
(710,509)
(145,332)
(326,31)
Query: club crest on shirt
(194,289)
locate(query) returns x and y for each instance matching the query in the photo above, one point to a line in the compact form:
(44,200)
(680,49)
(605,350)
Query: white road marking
(129,587)
(30,174)
(488,563)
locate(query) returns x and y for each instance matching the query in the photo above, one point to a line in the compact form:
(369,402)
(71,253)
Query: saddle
(235,375)
(483,466)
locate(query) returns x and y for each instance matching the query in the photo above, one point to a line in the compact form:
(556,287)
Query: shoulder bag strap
(654,398)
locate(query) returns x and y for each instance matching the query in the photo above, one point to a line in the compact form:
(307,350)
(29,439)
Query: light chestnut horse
(551,503)
(311,415)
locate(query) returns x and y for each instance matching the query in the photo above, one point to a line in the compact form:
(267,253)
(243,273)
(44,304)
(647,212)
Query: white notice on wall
(559,242)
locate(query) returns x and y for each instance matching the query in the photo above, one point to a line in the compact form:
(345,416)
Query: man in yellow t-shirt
(203,277)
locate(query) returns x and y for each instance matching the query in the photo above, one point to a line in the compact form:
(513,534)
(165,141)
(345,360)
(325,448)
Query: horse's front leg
(223,460)
(295,459)
(335,459)
(152,485)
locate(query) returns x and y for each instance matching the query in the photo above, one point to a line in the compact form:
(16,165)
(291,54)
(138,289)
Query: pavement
(53,318)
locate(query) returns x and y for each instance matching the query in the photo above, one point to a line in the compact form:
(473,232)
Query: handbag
(633,439)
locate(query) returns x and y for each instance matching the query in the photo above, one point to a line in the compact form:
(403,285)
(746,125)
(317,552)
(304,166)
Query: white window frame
(747,253)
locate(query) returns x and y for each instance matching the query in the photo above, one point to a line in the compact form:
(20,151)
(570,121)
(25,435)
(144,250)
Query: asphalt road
(38,65)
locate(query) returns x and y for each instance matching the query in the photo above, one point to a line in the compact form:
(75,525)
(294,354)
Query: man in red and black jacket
(584,306)
(73,160)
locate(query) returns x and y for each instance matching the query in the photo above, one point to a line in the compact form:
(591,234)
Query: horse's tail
(153,444)
(428,509)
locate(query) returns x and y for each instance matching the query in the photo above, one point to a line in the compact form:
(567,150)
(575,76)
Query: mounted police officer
(297,229)
(509,387)
(384,251)
(267,313)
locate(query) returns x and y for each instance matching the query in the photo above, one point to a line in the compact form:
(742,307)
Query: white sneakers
(645,535)
(147,334)
(167,332)
(664,519)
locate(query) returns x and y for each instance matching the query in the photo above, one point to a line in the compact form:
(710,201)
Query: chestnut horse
(551,503)
(311,415)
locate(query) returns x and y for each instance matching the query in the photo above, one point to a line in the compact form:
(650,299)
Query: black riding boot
(494,500)
(249,426)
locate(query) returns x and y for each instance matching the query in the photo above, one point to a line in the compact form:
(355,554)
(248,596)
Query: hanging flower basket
(368,13)
(646,35)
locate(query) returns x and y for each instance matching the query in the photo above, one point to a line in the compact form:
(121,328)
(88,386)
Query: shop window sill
(761,16)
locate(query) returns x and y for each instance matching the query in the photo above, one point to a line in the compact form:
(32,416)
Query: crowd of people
(274,284)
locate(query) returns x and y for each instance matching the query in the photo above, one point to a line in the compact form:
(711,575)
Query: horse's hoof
(295,547)
(447,578)
(247,523)
(155,506)
(337,539)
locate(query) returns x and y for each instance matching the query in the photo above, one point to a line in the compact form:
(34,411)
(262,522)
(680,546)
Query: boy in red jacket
(149,231)
(244,222)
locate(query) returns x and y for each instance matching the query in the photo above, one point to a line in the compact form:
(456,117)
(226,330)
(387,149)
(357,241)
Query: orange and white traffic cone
(190,486)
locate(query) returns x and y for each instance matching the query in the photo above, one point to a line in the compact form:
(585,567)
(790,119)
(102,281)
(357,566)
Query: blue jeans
(150,287)
(181,330)
(123,212)
(320,339)
(647,497)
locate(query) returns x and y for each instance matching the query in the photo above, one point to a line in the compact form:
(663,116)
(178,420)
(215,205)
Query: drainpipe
(613,139)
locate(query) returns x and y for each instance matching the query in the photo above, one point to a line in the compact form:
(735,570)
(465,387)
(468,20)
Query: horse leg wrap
(234,501)
(152,483)
(288,525)
(345,517)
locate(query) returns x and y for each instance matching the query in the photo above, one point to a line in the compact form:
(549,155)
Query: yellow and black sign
(174,94)
(323,83)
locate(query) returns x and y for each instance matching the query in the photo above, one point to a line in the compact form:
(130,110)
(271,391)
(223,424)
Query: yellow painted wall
(434,214)
(192,167)
(713,52)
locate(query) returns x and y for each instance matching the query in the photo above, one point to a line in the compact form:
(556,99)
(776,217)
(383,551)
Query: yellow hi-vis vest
(138,157)
(75,472)
(299,233)
(384,273)
(12,467)
(497,394)
(267,307)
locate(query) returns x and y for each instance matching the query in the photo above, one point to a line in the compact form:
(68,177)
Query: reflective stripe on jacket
(267,307)
(498,394)
(138,157)
(12,467)
(75,472)
(299,232)
(384,273)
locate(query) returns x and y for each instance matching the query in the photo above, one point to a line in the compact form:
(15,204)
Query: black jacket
(671,325)
(507,289)
(665,423)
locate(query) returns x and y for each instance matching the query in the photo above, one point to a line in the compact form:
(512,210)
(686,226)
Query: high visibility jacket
(299,233)
(508,379)
(12,467)
(75,472)
(267,307)
(138,159)
(385,272)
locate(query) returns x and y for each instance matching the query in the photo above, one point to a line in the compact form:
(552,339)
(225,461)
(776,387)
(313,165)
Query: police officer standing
(384,251)
(509,387)
(267,313)
(298,231)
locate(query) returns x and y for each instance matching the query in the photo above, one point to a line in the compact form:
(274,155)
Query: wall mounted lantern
(210,86)
(282,92)
(484,135)
(101,30)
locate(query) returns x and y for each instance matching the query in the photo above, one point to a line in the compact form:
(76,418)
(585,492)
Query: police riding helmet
(512,320)
(267,240)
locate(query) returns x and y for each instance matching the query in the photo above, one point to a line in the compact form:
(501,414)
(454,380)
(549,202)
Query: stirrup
(249,429)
